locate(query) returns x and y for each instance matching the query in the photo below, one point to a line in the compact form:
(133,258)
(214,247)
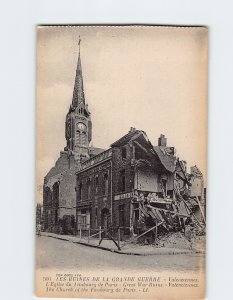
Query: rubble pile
(171,222)
(173,240)
(180,240)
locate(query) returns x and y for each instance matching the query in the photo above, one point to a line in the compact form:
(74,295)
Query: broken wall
(196,189)
(146,180)
(169,177)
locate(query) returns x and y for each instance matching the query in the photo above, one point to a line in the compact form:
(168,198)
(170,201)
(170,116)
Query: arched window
(48,195)
(78,136)
(56,193)
(56,201)
(83,138)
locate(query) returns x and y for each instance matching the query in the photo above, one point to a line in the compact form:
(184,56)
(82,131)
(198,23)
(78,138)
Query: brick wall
(96,199)
(64,204)
(67,190)
(120,163)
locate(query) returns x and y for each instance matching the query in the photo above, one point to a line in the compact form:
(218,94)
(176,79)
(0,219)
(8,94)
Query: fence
(116,234)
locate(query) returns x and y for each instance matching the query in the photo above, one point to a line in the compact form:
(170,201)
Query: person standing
(39,229)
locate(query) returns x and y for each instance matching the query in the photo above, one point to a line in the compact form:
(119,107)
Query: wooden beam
(170,211)
(163,209)
(137,237)
(186,179)
(140,146)
(143,210)
(203,216)
(153,214)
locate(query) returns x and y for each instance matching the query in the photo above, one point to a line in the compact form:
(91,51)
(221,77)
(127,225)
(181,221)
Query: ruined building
(134,185)
(137,186)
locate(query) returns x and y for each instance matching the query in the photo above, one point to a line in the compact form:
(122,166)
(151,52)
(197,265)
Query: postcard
(121,161)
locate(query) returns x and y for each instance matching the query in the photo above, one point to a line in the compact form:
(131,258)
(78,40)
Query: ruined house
(137,187)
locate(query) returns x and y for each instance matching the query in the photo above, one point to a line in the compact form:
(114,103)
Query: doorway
(105,216)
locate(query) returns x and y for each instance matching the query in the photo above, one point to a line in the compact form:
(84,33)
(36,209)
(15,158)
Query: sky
(151,78)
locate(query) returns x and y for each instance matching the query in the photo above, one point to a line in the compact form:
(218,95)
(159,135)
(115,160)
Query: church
(132,183)
(59,195)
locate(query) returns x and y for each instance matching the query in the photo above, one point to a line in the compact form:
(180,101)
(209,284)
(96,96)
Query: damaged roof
(127,137)
(165,156)
(167,160)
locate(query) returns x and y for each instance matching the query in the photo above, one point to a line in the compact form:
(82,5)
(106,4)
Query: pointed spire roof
(78,94)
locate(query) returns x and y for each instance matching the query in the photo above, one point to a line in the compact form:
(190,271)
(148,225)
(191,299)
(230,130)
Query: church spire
(78,94)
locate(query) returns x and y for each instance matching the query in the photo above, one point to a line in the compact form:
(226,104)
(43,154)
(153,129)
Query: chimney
(162,141)
(132,129)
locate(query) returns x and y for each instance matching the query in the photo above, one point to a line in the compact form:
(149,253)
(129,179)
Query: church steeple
(78,93)
(78,128)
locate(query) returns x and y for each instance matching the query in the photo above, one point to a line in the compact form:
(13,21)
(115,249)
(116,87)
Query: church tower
(78,126)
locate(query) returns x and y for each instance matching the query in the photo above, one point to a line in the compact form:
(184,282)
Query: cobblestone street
(54,253)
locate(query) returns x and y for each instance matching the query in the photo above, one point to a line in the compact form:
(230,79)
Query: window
(121,215)
(164,187)
(56,193)
(56,216)
(83,221)
(122,181)
(89,188)
(105,184)
(123,153)
(83,138)
(78,136)
(72,221)
(83,218)
(96,184)
(80,190)
(48,195)
(139,153)
(96,217)
(56,201)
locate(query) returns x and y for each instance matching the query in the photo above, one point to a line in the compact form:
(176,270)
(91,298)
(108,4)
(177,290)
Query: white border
(17,48)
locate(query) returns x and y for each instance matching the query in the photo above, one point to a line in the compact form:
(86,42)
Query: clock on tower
(81,126)
(78,119)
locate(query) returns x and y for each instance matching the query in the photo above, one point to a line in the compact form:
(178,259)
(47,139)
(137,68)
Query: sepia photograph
(121,151)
